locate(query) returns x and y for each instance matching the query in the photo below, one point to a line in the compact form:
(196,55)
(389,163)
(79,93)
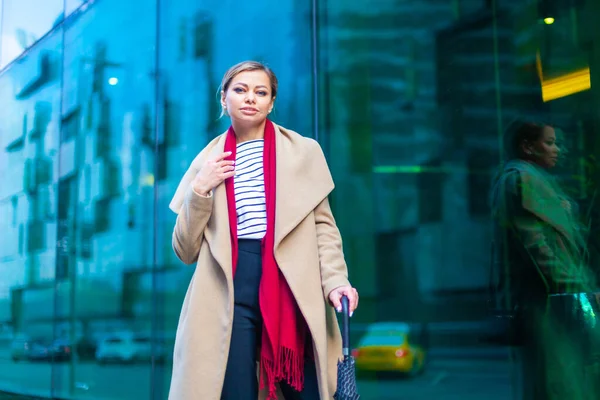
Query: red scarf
(284,330)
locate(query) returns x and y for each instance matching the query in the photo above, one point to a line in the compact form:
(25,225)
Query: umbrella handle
(345,326)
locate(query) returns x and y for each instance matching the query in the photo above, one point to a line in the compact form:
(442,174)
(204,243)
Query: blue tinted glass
(72,5)
(24,22)
(29,212)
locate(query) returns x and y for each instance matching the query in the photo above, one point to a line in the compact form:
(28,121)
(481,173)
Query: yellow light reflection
(147,180)
(564,85)
(549,20)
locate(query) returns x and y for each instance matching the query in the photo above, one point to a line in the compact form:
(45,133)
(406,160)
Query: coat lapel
(303,180)
(217,230)
(542,198)
(217,233)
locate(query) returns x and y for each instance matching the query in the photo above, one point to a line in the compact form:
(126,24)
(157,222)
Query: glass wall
(25,22)
(104,104)
(30,158)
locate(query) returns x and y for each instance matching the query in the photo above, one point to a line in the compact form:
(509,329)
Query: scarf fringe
(289,368)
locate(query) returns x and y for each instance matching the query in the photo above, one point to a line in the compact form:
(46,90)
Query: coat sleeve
(334,272)
(189,227)
(193,212)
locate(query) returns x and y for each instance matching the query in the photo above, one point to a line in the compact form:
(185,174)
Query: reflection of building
(381,88)
(399,157)
(477,95)
(90,206)
(27,198)
(487,67)
(419,94)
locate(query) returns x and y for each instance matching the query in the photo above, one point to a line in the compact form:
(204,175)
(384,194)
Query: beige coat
(308,249)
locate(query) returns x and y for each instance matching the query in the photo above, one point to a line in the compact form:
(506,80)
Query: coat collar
(541,196)
(303,181)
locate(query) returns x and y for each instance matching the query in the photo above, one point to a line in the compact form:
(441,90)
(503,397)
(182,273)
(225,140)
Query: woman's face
(544,151)
(248,99)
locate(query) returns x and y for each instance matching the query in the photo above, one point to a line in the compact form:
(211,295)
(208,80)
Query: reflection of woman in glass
(539,248)
(253,216)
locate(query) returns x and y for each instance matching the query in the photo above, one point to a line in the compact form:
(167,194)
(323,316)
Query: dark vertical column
(315,67)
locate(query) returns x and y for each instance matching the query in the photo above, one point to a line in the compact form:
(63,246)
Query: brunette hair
(519,132)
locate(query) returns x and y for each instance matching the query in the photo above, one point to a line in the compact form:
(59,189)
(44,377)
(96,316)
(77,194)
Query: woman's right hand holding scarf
(213,173)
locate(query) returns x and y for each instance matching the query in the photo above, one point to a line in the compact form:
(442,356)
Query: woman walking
(540,254)
(254,217)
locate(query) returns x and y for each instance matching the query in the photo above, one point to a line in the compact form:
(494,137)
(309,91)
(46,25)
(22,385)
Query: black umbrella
(346,378)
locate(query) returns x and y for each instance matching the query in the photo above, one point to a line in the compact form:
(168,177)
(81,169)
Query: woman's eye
(262,93)
(238,90)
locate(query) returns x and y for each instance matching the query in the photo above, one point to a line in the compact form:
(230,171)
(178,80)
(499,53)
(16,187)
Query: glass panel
(416,98)
(1,26)
(24,22)
(29,135)
(106,202)
(72,5)
(198,45)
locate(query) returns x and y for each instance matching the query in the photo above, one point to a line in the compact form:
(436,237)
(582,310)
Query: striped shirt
(249,187)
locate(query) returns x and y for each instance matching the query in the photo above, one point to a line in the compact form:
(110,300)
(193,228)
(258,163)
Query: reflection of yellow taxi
(391,346)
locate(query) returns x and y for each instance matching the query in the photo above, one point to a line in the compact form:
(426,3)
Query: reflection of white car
(124,347)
